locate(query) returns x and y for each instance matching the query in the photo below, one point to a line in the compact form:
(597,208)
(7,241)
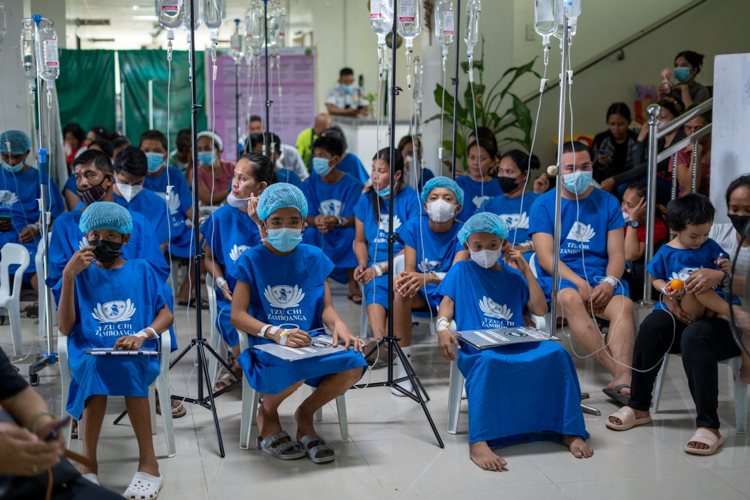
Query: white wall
(715,27)
(14,89)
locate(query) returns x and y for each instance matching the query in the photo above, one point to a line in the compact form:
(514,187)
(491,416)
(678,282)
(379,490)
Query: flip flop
(291,450)
(91,477)
(321,453)
(176,412)
(617,396)
(352,295)
(628,419)
(144,486)
(204,304)
(712,443)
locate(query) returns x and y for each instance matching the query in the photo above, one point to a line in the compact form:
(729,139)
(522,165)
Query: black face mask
(507,184)
(106,251)
(739,221)
(92,195)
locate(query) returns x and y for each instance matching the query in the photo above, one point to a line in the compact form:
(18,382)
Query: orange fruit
(676,284)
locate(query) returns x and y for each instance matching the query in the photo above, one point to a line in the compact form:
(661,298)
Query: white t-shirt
(726,236)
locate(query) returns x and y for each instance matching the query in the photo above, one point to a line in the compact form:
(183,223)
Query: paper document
(322,345)
(487,339)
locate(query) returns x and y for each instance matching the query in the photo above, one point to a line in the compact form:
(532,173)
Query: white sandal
(143,487)
(91,477)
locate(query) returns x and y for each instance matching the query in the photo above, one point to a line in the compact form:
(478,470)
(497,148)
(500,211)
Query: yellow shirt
(304,143)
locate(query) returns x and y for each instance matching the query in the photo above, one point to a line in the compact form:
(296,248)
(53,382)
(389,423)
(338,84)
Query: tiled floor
(393,454)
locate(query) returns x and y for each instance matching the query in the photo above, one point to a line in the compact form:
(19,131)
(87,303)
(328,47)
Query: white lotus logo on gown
(284,296)
(581,232)
(493,310)
(516,221)
(683,274)
(429,266)
(83,243)
(478,200)
(331,207)
(384,223)
(8,197)
(173,202)
(237,252)
(114,312)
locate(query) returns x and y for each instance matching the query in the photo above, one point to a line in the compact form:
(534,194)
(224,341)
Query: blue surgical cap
(19,142)
(281,195)
(442,182)
(106,215)
(484,222)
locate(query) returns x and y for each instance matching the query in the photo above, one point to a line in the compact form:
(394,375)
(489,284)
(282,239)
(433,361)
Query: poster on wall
(290,113)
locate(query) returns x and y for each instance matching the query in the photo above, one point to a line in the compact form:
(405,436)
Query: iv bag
(282,26)
(444,24)
(211,12)
(418,79)
(572,12)
(47,57)
(254,29)
(409,20)
(544,17)
(381,18)
(170,14)
(237,44)
(273,28)
(28,57)
(473,12)
(185,25)
(3,27)
(559,19)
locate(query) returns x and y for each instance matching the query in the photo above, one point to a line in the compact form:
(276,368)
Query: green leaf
(478,65)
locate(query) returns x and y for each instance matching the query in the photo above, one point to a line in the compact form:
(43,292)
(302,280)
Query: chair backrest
(39,258)
(532,264)
(12,254)
(399,264)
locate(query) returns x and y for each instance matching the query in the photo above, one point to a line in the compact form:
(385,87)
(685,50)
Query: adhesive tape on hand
(283,337)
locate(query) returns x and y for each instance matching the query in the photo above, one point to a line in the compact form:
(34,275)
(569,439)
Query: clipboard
(109,351)
(322,345)
(490,338)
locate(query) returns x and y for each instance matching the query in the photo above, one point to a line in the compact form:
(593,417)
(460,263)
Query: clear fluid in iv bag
(28,57)
(255,33)
(186,9)
(409,24)
(572,12)
(544,17)
(381,18)
(559,19)
(3,25)
(473,13)
(236,46)
(418,80)
(47,57)
(282,26)
(212,14)
(444,24)
(170,13)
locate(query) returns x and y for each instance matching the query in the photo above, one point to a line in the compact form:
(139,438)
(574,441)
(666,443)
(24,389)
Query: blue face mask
(285,239)
(682,75)
(206,157)
(12,168)
(385,192)
(321,167)
(347,88)
(578,182)
(155,161)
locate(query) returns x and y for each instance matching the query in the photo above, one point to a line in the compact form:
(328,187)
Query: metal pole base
(411,376)
(46,359)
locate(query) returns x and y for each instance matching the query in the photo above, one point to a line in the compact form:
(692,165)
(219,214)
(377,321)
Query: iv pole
(455,89)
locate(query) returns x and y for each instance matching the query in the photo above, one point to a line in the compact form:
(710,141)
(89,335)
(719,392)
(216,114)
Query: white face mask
(409,160)
(128,192)
(235,202)
(486,258)
(625,216)
(441,210)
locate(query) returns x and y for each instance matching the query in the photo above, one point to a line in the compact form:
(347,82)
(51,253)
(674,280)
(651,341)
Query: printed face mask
(93,194)
(285,239)
(106,251)
(321,167)
(155,161)
(578,182)
(441,210)
(129,192)
(486,258)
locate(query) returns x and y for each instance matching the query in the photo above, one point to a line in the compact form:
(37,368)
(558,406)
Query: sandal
(204,304)
(712,443)
(628,419)
(32,310)
(320,453)
(617,395)
(91,477)
(143,486)
(291,450)
(352,295)
(177,412)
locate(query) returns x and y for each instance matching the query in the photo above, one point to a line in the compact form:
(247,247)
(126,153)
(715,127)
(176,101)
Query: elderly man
(592,261)
(309,135)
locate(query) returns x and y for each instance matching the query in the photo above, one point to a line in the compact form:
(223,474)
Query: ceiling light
(135,7)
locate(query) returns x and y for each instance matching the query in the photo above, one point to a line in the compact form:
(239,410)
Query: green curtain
(86,88)
(137,67)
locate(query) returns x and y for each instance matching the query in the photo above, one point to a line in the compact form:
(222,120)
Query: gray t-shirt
(698,93)
(726,236)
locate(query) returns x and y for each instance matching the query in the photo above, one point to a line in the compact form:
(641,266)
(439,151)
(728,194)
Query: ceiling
(133,23)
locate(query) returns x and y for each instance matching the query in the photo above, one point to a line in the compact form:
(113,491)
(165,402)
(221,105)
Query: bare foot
(578,446)
(268,423)
(638,414)
(619,381)
(703,430)
(94,469)
(305,426)
(484,457)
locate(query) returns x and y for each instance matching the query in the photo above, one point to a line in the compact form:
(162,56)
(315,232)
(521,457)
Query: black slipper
(617,396)
(192,304)
(352,295)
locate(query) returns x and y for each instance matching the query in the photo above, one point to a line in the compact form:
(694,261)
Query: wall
(715,27)
(14,90)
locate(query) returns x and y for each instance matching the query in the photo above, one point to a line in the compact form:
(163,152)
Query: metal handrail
(628,41)
(674,148)
(684,118)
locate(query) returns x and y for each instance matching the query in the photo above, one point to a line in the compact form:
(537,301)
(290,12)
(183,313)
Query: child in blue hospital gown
(515,390)
(105,301)
(282,296)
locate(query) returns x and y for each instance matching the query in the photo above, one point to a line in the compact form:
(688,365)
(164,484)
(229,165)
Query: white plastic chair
(740,390)
(399,264)
(251,399)
(539,321)
(161,383)
(12,254)
(215,340)
(38,259)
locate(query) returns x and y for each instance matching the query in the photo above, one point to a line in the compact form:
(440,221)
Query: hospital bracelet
(439,276)
(611,280)
(378,270)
